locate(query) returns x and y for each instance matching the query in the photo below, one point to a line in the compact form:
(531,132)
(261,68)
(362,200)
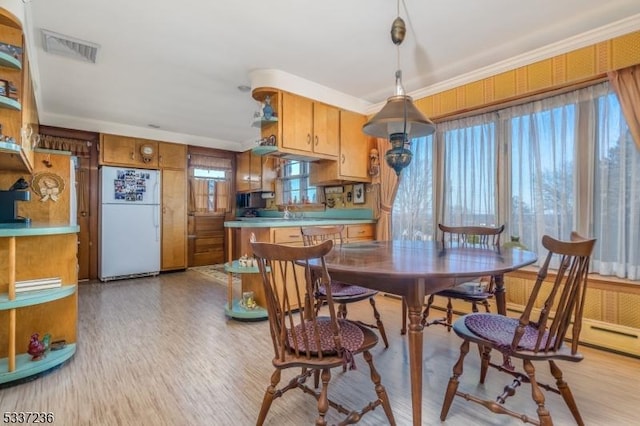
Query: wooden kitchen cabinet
(126,151)
(172,155)
(17,106)
(303,128)
(254,173)
(174,219)
(360,232)
(309,126)
(353,162)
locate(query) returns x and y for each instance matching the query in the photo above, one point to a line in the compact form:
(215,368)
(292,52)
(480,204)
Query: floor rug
(216,272)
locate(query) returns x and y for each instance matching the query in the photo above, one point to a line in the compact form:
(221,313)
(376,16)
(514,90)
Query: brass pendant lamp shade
(399,120)
(393,115)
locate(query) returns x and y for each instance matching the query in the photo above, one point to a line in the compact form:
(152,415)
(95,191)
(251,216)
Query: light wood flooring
(159,351)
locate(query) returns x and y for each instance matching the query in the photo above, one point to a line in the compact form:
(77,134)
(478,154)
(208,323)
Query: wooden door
(326,129)
(83,194)
(297,122)
(174,219)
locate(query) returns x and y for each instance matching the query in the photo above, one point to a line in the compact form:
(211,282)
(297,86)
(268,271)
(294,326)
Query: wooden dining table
(414,269)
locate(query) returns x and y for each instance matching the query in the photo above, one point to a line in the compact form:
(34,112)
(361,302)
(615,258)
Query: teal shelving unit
(234,308)
(8,61)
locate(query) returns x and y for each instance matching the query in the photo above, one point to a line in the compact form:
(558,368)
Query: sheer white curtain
(413,206)
(574,166)
(552,166)
(616,194)
(541,139)
(470,173)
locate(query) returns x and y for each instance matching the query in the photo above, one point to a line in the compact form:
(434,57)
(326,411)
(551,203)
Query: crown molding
(604,33)
(78,123)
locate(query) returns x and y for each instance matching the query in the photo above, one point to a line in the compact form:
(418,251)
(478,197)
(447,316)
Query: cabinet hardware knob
(316,140)
(343,158)
(133,156)
(308,138)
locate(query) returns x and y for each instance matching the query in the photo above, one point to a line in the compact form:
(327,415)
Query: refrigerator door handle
(156,191)
(156,220)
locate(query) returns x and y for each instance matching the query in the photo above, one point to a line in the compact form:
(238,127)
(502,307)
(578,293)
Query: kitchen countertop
(36,228)
(278,222)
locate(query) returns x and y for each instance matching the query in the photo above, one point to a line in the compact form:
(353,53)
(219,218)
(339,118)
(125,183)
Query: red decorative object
(36,347)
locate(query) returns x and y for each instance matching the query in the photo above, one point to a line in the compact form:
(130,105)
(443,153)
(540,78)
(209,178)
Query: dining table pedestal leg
(414,302)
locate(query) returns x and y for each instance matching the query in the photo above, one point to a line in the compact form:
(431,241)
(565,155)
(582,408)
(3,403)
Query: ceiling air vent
(70,47)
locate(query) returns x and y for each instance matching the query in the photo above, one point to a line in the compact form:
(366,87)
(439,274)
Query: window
(564,163)
(543,142)
(210,193)
(470,171)
(413,208)
(208,183)
(295,183)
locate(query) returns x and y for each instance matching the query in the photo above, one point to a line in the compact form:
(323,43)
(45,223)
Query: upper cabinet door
(326,129)
(126,151)
(172,156)
(354,147)
(297,122)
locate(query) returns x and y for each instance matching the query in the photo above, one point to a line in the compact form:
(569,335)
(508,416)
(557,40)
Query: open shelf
(36,297)
(264,149)
(258,122)
(8,61)
(239,312)
(25,368)
(8,103)
(12,157)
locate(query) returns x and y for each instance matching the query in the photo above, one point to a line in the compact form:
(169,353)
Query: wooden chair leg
(319,302)
(403,330)
(452,387)
(380,390)
(449,314)
(485,357)
(269,395)
(379,324)
(323,399)
(425,313)
(486,305)
(543,414)
(342,311)
(565,391)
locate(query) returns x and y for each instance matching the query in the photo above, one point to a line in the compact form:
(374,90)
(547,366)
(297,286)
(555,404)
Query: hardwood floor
(159,351)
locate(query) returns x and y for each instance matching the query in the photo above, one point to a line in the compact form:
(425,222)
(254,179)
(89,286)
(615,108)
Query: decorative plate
(48,186)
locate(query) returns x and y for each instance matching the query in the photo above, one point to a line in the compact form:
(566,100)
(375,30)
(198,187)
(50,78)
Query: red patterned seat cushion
(352,336)
(340,289)
(499,330)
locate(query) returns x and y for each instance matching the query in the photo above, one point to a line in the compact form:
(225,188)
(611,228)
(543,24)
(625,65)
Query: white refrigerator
(129,223)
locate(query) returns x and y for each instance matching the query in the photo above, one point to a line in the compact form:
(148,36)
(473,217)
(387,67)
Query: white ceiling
(177,64)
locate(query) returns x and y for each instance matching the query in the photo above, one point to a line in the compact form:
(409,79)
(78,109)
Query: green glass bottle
(514,242)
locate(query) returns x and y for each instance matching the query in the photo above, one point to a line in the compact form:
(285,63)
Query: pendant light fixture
(399,120)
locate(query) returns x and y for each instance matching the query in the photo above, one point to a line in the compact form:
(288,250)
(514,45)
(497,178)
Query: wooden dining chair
(478,291)
(554,307)
(301,339)
(343,293)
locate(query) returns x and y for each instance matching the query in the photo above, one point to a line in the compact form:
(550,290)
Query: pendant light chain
(399,119)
